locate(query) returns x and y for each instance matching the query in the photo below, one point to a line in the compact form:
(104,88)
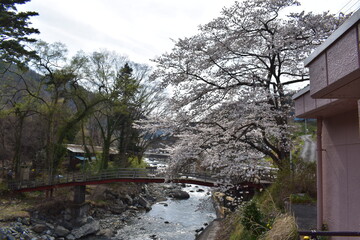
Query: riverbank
(108,209)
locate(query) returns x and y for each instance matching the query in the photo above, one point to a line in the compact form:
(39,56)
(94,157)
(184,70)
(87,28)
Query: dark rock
(119,202)
(67,217)
(67,225)
(166,222)
(199,230)
(117,209)
(26,221)
(47,237)
(39,228)
(9,237)
(179,194)
(200,190)
(128,200)
(2,234)
(50,226)
(19,229)
(111,195)
(151,198)
(60,231)
(26,236)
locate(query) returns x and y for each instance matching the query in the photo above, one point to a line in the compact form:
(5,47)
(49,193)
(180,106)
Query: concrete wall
(341,172)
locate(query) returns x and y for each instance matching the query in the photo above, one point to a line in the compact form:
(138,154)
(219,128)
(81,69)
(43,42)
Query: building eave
(333,37)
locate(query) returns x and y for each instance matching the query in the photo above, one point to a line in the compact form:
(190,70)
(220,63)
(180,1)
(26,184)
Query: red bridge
(126,175)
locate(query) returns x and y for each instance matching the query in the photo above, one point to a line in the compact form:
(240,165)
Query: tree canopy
(14,32)
(230,102)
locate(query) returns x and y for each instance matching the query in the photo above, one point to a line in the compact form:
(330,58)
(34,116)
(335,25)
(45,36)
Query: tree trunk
(105,154)
(18,143)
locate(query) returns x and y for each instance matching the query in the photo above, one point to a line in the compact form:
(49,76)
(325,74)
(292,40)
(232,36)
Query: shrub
(253,220)
(283,228)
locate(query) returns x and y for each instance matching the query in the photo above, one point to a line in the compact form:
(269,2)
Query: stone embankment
(106,211)
(224,203)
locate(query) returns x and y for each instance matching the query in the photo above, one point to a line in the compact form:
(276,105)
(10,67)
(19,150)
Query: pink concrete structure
(333,99)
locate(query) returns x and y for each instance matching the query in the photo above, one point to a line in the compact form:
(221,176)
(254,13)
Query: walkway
(308,152)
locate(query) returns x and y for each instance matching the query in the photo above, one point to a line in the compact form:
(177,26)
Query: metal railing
(317,234)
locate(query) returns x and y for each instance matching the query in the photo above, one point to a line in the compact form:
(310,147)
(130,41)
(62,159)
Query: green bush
(135,162)
(253,220)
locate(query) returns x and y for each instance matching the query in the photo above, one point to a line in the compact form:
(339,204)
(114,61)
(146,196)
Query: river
(172,219)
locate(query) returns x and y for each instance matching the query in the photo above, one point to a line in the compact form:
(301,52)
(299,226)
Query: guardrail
(316,234)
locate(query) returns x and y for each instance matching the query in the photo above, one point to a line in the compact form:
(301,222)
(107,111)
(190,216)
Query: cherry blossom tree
(231,105)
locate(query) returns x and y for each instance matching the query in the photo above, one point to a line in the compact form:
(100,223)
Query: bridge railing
(121,173)
(86,177)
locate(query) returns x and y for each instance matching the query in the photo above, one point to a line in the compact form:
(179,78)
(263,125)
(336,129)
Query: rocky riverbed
(173,219)
(108,209)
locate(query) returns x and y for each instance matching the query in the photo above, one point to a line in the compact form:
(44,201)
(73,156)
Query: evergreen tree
(14,32)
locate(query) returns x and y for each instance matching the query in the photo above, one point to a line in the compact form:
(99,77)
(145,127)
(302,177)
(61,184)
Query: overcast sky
(140,29)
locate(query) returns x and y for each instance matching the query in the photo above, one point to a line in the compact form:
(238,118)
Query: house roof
(75,148)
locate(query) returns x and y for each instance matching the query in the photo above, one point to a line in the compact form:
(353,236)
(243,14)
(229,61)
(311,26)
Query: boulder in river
(178,194)
(89,228)
(144,203)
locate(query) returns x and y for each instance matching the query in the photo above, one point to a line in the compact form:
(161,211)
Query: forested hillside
(92,99)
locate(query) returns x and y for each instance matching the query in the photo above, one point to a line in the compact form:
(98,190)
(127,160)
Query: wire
(351,8)
(344,6)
